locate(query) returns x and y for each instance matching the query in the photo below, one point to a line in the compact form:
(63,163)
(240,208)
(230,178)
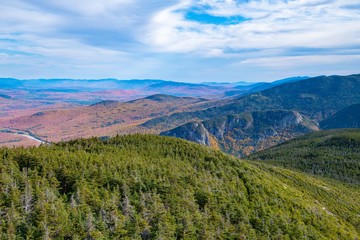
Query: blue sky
(181,40)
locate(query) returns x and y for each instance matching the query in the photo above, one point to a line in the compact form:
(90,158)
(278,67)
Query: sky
(179,40)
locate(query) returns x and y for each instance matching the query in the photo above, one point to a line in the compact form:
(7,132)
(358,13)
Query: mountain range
(263,115)
(93,176)
(267,117)
(85,92)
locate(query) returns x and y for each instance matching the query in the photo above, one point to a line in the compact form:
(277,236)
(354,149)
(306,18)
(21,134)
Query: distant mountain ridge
(260,86)
(84,92)
(98,84)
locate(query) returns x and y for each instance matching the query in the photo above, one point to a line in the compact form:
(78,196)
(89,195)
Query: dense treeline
(348,117)
(151,187)
(334,154)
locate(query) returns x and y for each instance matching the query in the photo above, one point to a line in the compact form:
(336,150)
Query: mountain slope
(151,187)
(257,87)
(315,99)
(334,154)
(243,134)
(345,118)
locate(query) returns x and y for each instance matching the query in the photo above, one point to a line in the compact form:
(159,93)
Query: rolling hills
(101,119)
(153,187)
(23,98)
(61,109)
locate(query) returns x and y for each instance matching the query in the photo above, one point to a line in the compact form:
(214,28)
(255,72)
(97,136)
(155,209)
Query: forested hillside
(152,187)
(334,154)
(316,98)
(348,117)
(311,101)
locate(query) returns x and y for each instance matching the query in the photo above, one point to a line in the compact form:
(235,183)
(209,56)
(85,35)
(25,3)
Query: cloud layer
(217,40)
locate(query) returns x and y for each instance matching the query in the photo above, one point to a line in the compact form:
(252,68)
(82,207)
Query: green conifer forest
(152,187)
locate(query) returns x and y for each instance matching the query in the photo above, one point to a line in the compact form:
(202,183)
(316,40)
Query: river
(23,133)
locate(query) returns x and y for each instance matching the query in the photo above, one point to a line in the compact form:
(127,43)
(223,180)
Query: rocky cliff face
(243,134)
(193,131)
(263,119)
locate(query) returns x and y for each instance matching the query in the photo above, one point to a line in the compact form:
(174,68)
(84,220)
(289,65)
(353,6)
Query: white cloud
(309,60)
(21,17)
(301,23)
(88,7)
(153,34)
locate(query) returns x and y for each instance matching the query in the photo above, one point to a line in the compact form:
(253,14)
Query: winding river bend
(24,133)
